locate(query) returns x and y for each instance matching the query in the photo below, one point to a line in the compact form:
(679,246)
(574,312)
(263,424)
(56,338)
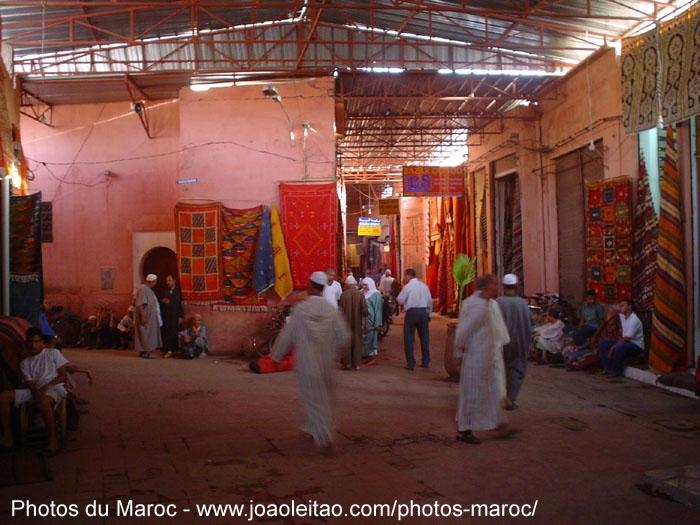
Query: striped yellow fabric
(668,332)
(283,275)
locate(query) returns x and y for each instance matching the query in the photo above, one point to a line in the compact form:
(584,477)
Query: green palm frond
(464,272)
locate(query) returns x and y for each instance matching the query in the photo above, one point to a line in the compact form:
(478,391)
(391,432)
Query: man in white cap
(317,333)
(520,323)
(332,289)
(386,282)
(354,308)
(147,318)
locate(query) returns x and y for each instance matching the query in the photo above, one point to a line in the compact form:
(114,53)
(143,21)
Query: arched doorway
(160,261)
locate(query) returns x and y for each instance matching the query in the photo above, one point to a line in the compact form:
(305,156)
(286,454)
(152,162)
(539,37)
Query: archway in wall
(160,261)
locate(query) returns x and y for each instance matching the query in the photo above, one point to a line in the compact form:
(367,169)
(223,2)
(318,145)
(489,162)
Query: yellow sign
(369,227)
(389,207)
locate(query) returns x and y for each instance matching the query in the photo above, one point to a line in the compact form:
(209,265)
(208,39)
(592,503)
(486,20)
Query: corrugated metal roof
(162,44)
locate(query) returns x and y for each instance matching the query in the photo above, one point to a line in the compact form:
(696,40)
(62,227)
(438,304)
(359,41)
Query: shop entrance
(573,171)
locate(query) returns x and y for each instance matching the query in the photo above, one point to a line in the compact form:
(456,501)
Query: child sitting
(45,374)
(193,340)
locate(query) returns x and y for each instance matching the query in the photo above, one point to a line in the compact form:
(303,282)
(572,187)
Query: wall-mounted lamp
(271,92)
(137,107)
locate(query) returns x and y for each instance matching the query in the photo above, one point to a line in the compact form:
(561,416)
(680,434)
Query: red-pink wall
(95,215)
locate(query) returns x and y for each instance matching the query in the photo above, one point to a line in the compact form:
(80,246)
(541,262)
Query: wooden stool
(26,433)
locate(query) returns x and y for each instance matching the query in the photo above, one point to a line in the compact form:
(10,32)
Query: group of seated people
(103,331)
(554,342)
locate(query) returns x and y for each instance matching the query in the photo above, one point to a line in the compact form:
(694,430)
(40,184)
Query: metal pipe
(5,239)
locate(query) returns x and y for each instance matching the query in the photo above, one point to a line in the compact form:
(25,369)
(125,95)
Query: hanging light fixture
(271,92)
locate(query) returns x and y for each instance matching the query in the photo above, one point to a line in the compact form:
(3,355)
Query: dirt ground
(191,433)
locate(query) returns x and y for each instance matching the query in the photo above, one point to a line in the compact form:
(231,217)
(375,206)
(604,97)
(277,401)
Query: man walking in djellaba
(481,334)
(317,333)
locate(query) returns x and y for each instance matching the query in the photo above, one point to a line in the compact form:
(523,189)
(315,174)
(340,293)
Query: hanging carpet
(199,258)
(264,271)
(609,240)
(309,223)
(25,297)
(240,230)
(668,337)
(25,234)
(646,232)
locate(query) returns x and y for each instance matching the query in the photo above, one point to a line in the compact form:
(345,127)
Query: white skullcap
(151,277)
(319,278)
(350,280)
(92,317)
(510,279)
(388,272)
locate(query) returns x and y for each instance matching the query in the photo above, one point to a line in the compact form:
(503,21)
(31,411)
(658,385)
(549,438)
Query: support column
(5,240)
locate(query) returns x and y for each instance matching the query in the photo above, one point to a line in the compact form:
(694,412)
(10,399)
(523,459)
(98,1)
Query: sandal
(468,438)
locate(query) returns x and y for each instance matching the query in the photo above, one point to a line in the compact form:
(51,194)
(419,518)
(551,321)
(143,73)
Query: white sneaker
(202,355)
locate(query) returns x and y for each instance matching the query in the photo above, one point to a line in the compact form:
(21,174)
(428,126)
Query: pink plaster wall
(93,225)
(562,121)
(413,239)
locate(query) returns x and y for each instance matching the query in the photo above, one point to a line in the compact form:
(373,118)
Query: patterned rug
(25,234)
(239,242)
(646,232)
(668,337)
(199,258)
(309,223)
(609,240)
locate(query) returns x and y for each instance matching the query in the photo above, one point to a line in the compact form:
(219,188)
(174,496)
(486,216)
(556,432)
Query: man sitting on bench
(45,374)
(613,353)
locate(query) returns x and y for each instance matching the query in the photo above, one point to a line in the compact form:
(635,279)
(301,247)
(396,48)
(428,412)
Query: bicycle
(544,301)
(67,326)
(264,337)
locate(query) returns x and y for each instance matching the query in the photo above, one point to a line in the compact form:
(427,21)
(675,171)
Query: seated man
(126,329)
(592,315)
(193,339)
(613,353)
(45,374)
(549,339)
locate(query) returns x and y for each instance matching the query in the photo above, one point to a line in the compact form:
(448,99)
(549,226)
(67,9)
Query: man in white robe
(481,334)
(147,318)
(317,333)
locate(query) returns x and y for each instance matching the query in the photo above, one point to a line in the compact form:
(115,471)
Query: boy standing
(45,374)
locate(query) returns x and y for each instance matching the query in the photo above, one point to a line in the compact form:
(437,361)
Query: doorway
(508,228)
(160,261)
(573,172)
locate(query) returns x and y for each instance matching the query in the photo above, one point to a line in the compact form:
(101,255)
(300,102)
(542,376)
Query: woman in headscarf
(374,320)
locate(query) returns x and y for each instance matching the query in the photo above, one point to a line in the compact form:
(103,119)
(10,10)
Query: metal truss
(190,35)
(35,108)
(426,115)
(139,104)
